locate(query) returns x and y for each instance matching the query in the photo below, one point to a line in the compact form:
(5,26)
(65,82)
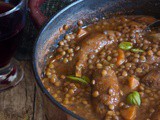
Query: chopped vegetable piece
(120,58)
(133,82)
(125,45)
(137,50)
(134,98)
(147,20)
(77,79)
(81,32)
(129,113)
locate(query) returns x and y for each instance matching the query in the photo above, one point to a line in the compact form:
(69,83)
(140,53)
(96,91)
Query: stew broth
(108,70)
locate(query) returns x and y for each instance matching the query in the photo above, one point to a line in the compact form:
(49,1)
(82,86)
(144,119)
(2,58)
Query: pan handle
(36,14)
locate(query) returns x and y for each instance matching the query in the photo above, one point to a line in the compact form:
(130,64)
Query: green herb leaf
(86,79)
(77,79)
(112,65)
(125,45)
(134,98)
(137,50)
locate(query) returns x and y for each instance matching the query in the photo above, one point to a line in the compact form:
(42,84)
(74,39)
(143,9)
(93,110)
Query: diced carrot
(78,72)
(147,19)
(133,82)
(120,58)
(129,113)
(58,57)
(81,32)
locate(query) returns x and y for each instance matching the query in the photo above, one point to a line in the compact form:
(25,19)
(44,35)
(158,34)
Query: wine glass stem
(10,75)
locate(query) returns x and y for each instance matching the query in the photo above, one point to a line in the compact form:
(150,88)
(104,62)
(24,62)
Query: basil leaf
(137,50)
(77,79)
(134,98)
(86,79)
(137,97)
(125,45)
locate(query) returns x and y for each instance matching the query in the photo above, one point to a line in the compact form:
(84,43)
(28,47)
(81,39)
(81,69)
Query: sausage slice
(91,44)
(108,90)
(152,79)
(156,115)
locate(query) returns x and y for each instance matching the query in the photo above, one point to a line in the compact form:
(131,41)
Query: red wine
(11,25)
(4,7)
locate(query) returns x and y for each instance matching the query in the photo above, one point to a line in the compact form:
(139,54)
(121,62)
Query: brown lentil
(72,58)
(95,94)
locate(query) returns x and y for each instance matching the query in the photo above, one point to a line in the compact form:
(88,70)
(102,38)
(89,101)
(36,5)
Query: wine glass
(12,22)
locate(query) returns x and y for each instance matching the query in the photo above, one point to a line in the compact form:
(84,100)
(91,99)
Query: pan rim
(34,63)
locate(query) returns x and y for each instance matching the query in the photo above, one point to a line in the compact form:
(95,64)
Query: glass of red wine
(12,22)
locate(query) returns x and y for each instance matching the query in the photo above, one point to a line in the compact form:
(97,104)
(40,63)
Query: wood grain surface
(23,102)
(18,102)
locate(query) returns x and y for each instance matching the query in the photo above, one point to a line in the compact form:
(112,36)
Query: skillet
(85,10)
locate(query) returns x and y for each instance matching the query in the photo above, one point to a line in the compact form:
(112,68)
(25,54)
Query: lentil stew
(108,70)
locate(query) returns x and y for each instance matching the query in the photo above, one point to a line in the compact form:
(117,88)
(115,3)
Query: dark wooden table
(23,102)
(20,102)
